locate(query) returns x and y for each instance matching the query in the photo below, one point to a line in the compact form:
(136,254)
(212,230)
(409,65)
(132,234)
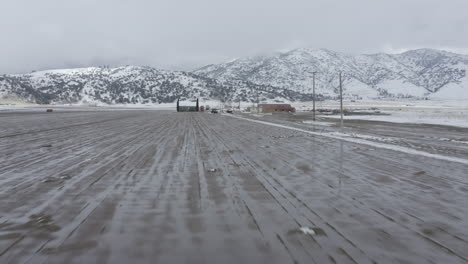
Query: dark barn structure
(272,108)
(184,108)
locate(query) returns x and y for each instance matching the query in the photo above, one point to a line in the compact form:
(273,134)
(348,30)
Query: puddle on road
(80,247)
(236,165)
(38,225)
(304,167)
(230,151)
(59,179)
(42,222)
(419,173)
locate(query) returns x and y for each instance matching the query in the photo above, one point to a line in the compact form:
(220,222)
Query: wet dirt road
(165,187)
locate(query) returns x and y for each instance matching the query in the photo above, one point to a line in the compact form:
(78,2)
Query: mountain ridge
(130,85)
(280,77)
(366,73)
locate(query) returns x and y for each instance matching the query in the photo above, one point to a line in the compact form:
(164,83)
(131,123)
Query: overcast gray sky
(185,34)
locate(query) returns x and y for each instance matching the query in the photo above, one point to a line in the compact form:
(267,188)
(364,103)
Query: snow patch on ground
(453,140)
(436,112)
(319,123)
(446,116)
(261,115)
(384,104)
(362,136)
(307,231)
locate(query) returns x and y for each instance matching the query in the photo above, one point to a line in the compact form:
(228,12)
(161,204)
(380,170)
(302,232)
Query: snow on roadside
(319,123)
(362,141)
(453,140)
(362,136)
(434,116)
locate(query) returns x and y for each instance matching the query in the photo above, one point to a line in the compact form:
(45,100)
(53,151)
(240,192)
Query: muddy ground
(164,187)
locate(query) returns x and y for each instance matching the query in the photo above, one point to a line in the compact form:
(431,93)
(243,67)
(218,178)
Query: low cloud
(185,34)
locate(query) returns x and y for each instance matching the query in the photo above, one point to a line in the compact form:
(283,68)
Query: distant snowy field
(436,112)
(434,116)
(81,107)
(443,112)
(12,105)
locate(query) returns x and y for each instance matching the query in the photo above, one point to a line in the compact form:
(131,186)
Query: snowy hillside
(422,73)
(131,85)
(283,77)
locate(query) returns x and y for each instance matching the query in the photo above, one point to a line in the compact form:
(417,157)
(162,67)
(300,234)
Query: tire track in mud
(348,138)
(246,133)
(399,174)
(240,197)
(62,128)
(122,154)
(234,191)
(80,144)
(68,120)
(356,163)
(452,235)
(272,189)
(105,153)
(165,163)
(44,158)
(205,149)
(56,140)
(150,193)
(400,215)
(173,193)
(77,222)
(413,136)
(45,149)
(136,137)
(173,157)
(254,166)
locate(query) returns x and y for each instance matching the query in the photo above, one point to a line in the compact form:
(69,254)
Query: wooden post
(341,100)
(313,95)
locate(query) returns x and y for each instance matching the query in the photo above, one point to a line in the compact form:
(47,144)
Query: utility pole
(258,109)
(341,100)
(313,95)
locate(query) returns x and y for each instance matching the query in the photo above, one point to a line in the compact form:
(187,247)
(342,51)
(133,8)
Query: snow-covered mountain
(422,73)
(133,85)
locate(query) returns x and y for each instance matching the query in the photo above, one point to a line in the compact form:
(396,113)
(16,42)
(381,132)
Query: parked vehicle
(214,111)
